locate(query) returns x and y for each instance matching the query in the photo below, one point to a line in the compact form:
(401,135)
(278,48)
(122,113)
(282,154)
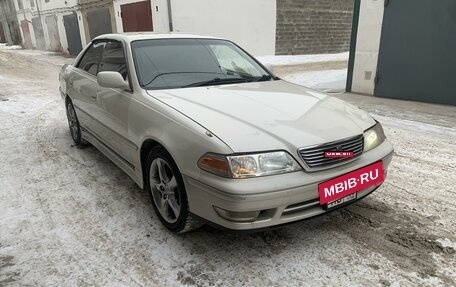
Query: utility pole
(38,9)
(170,16)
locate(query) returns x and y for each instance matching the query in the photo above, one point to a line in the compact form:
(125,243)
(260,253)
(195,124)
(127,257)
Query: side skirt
(123,164)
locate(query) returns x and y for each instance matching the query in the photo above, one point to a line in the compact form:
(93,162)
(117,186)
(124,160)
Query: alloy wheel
(164,190)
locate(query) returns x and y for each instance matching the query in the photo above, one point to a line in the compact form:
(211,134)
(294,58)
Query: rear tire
(73,123)
(167,190)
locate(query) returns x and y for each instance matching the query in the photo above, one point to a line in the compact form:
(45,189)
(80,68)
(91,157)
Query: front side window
(113,59)
(90,61)
(179,63)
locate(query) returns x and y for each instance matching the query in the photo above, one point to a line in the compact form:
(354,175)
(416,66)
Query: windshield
(177,63)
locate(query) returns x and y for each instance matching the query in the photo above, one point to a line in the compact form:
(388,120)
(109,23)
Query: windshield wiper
(215,81)
(171,73)
(262,78)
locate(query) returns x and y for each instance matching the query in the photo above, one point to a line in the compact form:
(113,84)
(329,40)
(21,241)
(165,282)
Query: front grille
(315,159)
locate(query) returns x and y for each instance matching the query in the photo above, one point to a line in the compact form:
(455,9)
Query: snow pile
(330,81)
(446,243)
(302,59)
(4,46)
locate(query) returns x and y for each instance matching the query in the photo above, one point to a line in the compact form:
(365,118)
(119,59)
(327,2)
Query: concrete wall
(367,46)
(249,23)
(313,26)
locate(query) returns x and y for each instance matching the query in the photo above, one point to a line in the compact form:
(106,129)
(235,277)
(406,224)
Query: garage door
(2,34)
(99,22)
(72,33)
(137,17)
(39,33)
(26,33)
(53,32)
(417,57)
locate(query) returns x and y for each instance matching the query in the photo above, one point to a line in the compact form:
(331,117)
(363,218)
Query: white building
(68,25)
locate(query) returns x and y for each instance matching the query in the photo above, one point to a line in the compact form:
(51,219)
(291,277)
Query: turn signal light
(215,164)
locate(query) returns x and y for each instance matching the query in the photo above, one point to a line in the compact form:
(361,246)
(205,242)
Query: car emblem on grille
(337,152)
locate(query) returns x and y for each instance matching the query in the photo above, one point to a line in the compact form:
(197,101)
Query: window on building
(19,4)
(32,3)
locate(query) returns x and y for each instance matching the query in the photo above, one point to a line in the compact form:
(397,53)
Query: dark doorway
(2,34)
(417,51)
(15,33)
(39,33)
(72,33)
(99,22)
(137,17)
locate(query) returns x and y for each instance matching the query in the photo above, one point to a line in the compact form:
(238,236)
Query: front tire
(73,123)
(167,190)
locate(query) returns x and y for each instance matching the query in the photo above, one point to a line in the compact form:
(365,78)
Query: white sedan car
(217,138)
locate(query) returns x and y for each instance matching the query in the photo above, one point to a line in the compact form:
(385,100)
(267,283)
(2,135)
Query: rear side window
(113,59)
(91,60)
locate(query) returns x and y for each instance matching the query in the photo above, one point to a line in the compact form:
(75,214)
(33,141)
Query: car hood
(267,115)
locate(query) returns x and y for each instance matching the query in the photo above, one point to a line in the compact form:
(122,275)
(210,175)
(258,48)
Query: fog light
(248,216)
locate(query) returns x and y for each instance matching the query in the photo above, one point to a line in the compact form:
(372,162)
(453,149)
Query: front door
(103,111)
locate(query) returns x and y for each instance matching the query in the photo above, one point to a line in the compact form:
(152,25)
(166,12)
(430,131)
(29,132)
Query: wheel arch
(147,145)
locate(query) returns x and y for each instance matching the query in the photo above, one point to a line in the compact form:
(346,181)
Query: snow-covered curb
(4,46)
(302,59)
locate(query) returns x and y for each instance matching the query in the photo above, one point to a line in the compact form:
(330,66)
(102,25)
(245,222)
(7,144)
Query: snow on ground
(330,81)
(323,72)
(70,217)
(302,59)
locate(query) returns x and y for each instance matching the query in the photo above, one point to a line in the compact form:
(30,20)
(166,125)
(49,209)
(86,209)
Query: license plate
(341,201)
(341,187)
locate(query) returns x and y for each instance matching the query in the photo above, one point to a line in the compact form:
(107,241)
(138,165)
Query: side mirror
(113,80)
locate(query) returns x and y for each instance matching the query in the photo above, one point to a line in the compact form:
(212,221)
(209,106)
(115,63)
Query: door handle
(70,83)
(94,98)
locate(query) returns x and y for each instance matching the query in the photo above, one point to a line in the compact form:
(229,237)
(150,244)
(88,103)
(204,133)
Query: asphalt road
(69,217)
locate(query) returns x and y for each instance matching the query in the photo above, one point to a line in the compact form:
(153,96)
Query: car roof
(133,36)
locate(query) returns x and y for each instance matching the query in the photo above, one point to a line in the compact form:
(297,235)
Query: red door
(26,32)
(137,17)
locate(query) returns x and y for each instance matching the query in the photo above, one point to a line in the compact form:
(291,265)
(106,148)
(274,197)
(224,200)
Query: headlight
(250,165)
(373,137)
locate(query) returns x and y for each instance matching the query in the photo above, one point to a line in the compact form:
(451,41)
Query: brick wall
(313,26)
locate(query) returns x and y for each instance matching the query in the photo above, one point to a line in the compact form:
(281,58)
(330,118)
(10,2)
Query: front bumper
(280,199)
